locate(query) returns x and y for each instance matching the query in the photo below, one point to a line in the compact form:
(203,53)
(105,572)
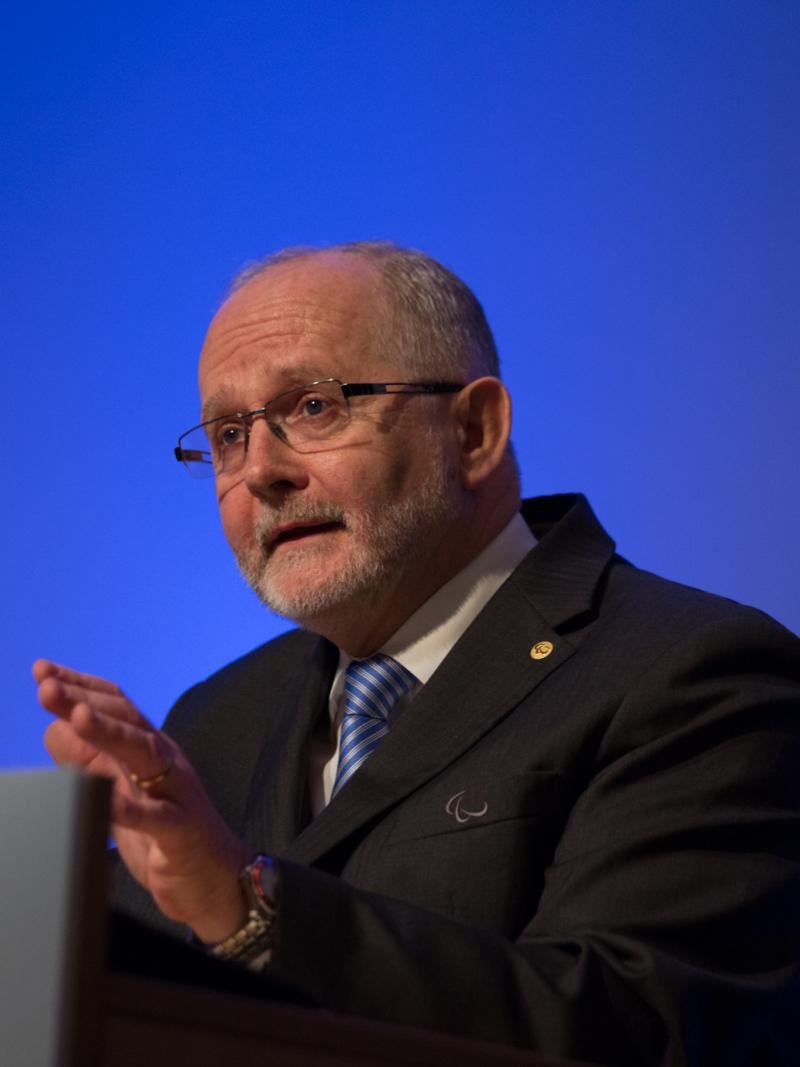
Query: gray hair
(433,321)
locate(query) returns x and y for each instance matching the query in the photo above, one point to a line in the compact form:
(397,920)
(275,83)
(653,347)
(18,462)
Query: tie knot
(373,686)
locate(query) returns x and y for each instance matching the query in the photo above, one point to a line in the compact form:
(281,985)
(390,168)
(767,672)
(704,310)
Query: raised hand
(169,834)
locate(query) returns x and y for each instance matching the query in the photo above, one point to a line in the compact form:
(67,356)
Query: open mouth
(302,531)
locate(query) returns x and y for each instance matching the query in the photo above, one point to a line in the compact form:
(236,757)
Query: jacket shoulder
(274,664)
(664,603)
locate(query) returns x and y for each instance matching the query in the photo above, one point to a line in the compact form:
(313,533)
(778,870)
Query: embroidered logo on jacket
(461,814)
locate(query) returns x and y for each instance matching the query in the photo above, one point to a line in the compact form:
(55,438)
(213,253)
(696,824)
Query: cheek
(362,478)
(365,491)
(236,515)
(358,480)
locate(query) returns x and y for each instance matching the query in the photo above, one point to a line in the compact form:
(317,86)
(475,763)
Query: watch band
(252,943)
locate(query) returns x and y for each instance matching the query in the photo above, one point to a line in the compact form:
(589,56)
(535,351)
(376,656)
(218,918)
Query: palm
(168,832)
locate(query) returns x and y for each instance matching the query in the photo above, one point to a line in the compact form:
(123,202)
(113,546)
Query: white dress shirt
(423,641)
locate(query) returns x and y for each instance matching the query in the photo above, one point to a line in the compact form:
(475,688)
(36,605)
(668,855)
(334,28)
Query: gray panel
(52,832)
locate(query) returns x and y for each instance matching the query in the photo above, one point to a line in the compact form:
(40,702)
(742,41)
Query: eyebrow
(221,402)
(217,404)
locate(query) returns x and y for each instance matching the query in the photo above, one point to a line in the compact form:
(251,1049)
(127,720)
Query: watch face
(260,885)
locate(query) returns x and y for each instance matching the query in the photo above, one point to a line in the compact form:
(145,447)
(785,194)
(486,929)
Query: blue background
(619,182)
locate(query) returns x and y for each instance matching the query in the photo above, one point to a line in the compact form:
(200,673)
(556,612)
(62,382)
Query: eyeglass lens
(304,418)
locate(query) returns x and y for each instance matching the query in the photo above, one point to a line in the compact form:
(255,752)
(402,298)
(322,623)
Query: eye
(228,435)
(314,405)
(311,413)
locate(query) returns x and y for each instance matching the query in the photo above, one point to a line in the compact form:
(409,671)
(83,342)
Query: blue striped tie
(371,689)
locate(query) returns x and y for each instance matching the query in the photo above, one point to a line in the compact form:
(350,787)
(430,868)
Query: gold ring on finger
(149,783)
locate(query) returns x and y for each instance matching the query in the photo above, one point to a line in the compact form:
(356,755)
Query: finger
(60,697)
(45,668)
(69,750)
(66,747)
(141,749)
(54,698)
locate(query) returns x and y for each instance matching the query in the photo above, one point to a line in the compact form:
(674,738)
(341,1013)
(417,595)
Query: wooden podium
(61,1005)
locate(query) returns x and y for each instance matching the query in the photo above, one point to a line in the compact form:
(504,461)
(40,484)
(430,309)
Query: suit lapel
(278,793)
(489,671)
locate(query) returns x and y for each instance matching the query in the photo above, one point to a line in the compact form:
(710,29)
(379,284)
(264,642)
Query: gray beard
(385,539)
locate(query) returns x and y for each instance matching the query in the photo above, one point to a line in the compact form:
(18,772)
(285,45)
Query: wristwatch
(252,943)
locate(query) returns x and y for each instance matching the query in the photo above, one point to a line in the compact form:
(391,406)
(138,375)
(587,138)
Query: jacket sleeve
(668,929)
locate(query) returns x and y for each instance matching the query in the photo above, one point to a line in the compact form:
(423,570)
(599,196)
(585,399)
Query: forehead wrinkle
(277,319)
(256,337)
(258,331)
(249,331)
(321,330)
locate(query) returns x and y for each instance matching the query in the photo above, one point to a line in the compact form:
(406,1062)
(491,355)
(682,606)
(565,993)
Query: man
(500,782)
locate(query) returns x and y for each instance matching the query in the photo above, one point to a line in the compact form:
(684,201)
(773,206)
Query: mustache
(270,521)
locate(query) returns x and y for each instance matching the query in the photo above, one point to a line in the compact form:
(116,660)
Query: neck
(363,626)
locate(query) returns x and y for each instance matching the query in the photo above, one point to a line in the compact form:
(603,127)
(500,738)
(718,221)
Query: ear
(482,412)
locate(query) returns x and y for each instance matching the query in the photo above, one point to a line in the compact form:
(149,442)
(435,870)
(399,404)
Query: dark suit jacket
(595,853)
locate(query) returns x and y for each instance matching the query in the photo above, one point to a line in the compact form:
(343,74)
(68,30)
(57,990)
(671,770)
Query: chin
(312,607)
(308,591)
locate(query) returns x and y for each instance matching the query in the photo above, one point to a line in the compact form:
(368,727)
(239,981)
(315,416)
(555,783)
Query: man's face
(321,532)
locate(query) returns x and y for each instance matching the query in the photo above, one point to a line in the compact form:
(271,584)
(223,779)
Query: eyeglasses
(310,418)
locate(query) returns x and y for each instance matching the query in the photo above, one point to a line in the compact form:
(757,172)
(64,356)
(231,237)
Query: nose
(270,465)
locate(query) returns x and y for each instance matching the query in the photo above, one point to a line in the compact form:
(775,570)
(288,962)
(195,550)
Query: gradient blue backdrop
(619,182)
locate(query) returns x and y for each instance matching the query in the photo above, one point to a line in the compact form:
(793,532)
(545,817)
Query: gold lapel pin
(541,650)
